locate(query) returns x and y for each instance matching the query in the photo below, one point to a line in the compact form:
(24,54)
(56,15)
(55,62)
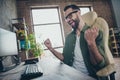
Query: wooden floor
(117,63)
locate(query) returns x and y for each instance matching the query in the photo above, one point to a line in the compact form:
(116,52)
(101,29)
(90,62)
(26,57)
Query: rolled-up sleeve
(100,46)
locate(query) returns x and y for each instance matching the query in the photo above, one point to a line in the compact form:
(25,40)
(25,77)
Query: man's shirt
(78,58)
(69,47)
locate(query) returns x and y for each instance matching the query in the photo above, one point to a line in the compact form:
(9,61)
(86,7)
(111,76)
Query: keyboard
(31,71)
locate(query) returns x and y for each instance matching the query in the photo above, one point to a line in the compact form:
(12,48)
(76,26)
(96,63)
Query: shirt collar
(83,30)
(85,27)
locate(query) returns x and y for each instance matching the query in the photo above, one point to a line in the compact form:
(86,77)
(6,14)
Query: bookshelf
(19,26)
(115,40)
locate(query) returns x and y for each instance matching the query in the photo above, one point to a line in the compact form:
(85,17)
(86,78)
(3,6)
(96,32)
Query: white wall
(7,12)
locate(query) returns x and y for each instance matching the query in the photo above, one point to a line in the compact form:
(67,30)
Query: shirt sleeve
(100,46)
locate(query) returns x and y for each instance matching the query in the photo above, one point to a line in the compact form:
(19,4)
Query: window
(85,9)
(47,24)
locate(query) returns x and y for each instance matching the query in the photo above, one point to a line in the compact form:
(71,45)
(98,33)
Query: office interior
(17,11)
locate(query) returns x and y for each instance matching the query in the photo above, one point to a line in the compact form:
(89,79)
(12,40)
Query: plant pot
(31,54)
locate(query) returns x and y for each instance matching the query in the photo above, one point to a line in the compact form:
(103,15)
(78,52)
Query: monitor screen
(8,43)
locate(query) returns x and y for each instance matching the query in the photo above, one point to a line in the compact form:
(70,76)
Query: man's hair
(74,7)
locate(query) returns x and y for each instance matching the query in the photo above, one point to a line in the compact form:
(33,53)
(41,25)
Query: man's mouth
(72,24)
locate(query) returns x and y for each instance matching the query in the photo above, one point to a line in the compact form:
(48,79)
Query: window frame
(86,6)
(60,22)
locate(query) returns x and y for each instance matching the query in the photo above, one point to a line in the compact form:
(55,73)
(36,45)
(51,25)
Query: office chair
(92,19)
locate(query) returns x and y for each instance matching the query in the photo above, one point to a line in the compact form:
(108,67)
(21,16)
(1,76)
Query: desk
(52,70)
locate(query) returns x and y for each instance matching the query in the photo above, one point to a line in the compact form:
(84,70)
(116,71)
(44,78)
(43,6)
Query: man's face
(71,18)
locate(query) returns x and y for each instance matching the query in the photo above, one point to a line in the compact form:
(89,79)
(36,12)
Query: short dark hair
(73,6)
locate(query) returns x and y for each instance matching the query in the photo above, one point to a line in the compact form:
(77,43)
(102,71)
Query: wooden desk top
(52,69)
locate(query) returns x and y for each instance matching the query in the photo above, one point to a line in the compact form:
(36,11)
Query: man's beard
(75,27)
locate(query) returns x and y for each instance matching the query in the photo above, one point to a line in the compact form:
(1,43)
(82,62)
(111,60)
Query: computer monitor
(8,45)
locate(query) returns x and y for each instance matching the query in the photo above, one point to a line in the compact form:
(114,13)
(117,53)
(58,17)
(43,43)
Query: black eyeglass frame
(71,14)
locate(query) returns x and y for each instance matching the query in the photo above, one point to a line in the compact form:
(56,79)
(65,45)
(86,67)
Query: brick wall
(102,7)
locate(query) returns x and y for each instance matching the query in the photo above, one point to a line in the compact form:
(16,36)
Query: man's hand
(56,53)
(48,44)
(91,34)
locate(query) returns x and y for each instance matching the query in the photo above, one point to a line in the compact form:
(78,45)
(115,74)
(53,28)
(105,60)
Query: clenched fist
(91,34)
(48,43)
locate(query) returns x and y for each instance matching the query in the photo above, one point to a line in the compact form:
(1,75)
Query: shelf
(21,38)
(114,47)
(21,32)
(18,26)
(114,35)
(113,41)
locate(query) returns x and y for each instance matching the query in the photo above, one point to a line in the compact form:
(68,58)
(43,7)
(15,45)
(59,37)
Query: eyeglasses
(70,14)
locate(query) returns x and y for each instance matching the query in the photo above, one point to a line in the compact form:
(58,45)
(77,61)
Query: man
(83,47)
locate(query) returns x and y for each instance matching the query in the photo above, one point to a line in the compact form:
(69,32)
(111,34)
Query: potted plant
(33,49)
